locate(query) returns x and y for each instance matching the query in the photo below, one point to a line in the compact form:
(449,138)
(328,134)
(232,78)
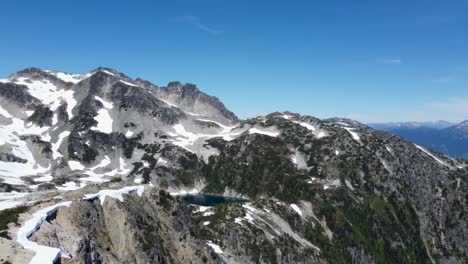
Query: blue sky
(367,60)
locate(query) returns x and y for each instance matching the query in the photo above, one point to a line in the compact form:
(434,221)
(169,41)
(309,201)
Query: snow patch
(385,165)
(49,94)
(296,208)
(168,103)
(75,165)
(333,184)
(108,72)
(160,162)
(45,178)
(70,186)
(55,146)
(238,220)
(216,248)
(192,114)
(127,83)
(184,138)
(263,132)
(116,194)
(354,135)
(249,207)
(106,104)
(10,199)
(103,163)
(138,180)
(294,159)
(66,77)
(389,149)
(322,134)
(103,118)
(430,154)
(343,124)
(10,136)
(5,113)
(129,133)
(306,125)
(44,254)
(183,192)
(349,185)
(123,169)
(208,213)
(202,208)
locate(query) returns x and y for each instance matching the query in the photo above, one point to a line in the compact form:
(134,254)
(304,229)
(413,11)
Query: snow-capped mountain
(447,138)
(55,123)
(98,167)
(462,126)
(440,124)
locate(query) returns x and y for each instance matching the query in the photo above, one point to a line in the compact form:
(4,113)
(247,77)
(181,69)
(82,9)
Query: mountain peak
(29,72)
(190,98)
(462,125)
(144,83)
(112,72)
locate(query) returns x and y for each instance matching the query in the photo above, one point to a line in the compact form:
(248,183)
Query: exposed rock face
(319,191)
(158,228)
(191,99)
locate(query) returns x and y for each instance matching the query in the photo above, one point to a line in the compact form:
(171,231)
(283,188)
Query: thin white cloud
(443,79)
(450,109)
(458,106)
(458,74)
(195,21)
(359,62)
(392,61)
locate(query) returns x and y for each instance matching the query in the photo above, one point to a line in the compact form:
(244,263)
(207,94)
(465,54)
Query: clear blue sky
(368,60)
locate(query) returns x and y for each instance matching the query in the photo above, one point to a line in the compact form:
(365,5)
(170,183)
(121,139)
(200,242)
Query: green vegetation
(261,168)
(387,231)
(165,199)
(10,216)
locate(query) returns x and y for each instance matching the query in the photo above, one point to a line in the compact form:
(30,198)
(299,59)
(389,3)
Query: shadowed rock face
(319,191)
(191,99)
(19,95)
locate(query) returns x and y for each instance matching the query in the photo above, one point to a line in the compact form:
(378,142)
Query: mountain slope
(104,164)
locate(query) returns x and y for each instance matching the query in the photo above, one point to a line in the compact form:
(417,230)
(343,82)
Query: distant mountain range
(442,136)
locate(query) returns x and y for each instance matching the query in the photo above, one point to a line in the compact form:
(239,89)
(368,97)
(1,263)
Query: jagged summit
(185,96)
(191,99)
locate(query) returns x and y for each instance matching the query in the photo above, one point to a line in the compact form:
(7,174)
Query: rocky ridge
(318,191)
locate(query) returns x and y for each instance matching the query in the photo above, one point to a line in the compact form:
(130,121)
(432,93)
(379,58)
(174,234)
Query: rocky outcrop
(191,99)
